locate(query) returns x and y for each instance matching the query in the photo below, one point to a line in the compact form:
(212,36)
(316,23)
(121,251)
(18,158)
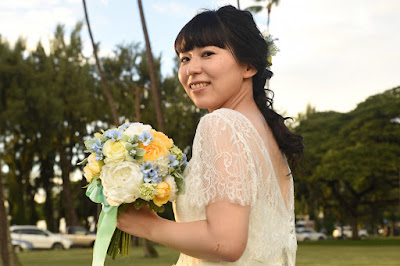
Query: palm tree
(258,8)
(154,89)
(107,91)
(149,249)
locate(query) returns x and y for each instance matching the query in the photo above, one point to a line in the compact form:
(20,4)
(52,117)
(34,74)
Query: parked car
(20,245)
(40,239)
(80,236)
(309,234)
(348,232)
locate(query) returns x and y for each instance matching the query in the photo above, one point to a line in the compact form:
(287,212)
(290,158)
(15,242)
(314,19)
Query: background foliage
(51,102)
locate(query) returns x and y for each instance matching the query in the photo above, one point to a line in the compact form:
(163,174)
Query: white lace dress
(230,161)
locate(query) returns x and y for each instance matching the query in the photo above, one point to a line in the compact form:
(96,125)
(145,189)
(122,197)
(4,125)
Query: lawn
(331,252)
(347,252)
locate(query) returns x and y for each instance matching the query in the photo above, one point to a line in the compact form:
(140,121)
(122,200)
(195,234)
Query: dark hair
(236,30)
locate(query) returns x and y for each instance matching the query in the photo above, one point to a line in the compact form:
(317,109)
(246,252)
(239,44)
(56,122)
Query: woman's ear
(249,71)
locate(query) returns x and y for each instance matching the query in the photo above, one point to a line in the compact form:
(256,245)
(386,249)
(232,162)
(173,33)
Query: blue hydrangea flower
(98,149)
(152,176)
(113,134)
(184,160)
(146,137)
(99,157)
(172,161)
(146,167)
(124,126)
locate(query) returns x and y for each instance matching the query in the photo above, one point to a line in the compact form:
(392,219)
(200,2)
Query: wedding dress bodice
(231,162)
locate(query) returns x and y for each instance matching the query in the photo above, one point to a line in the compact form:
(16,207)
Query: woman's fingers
(135,222)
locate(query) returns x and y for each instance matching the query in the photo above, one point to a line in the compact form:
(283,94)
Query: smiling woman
(206,72)
(237,207)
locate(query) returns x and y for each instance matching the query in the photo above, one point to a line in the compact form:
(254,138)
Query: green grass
(331,252)
(83,257)
(374,252)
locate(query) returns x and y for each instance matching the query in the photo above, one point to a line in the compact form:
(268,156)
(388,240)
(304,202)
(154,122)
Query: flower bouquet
(132,164)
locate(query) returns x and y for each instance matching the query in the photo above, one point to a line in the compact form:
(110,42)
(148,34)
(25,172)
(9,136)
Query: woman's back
(271,237)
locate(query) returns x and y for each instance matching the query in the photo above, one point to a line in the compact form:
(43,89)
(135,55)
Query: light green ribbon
(107,222)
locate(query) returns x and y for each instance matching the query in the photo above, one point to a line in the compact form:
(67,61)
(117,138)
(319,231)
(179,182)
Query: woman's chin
(202,105)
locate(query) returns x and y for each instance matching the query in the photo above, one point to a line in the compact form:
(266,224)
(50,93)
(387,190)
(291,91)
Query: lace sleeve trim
(223,167)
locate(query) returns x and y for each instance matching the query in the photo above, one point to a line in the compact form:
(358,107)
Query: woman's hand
(137,222)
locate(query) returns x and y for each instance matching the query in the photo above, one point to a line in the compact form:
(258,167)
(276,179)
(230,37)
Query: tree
(353,158)
(122,72)
(75,88)
(259,8)
(153,78)
(7,252)
(102,79)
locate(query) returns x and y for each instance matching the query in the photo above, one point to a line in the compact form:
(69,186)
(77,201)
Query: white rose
(136,129)
(114,151)
(171,181)
(121,182)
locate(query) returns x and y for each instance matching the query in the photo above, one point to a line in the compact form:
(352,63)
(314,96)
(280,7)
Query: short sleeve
(223,168)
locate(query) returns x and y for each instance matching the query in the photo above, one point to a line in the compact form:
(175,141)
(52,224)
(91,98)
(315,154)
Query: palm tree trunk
(153,78)
(107,91)
(8,256)
(137,99)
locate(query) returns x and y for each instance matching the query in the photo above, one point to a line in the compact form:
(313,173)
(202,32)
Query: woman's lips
(197,87)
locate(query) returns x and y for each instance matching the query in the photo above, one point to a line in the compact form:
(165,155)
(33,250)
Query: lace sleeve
(224,165)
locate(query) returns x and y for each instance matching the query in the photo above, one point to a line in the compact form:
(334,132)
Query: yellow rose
(154,150)
(87,174)
(162,138)
(93,168)
(114,151)
(163,191)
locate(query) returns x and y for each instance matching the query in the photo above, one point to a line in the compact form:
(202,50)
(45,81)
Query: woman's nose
(194,67)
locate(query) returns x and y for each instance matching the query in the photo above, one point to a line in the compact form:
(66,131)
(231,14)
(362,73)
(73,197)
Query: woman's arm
(222,236)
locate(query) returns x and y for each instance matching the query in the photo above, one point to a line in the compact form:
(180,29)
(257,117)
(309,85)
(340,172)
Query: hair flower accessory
(272,48)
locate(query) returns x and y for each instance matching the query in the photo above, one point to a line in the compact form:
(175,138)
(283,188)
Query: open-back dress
(230,162)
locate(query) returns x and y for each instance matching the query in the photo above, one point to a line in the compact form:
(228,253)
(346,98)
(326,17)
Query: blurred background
(337,74)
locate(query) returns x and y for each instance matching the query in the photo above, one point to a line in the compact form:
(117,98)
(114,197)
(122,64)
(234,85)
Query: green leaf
(100,137)
(124,138)
(84,161)
(140,152)
(89,143)
(254,9)
(128,146)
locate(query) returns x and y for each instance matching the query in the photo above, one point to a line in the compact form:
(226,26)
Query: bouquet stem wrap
(107,223)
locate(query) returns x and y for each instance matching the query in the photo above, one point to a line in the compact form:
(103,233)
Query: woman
(237,208)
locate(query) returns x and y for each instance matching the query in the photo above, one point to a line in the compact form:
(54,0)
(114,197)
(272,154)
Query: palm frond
(254,9)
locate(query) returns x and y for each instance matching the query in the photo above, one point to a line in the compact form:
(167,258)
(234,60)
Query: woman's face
(212,77)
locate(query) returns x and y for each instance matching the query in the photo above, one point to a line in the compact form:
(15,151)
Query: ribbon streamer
(107,223)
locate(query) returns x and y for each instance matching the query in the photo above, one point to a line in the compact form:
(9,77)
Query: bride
(237,208)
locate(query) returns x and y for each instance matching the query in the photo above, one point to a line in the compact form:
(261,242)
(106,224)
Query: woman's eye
(206,54)
(184,59)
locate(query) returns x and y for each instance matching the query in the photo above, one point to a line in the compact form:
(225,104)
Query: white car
(40,239)
(309,234)
(80,237)
(348,232)
(20,245)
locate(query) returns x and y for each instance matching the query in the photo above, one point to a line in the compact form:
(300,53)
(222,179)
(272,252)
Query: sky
(333,53)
